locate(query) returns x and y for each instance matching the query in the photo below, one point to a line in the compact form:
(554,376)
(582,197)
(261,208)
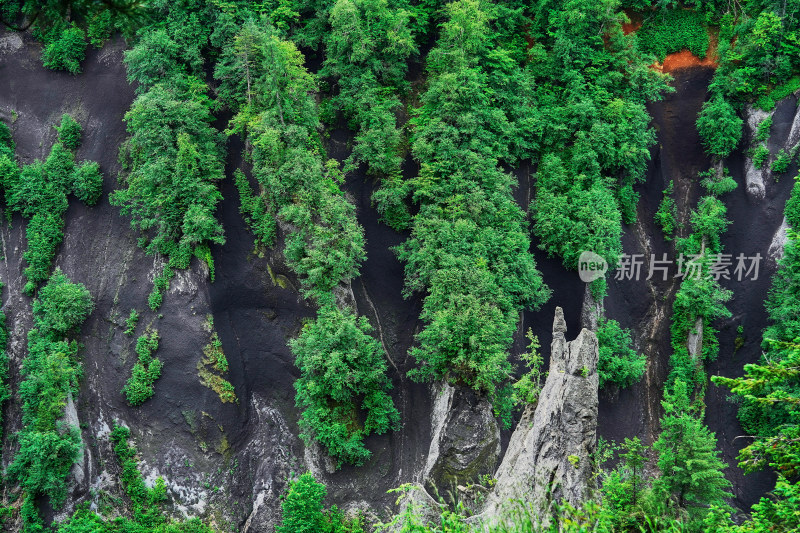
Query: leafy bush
(782,162)
(212,365)
(763,130)
(717,185)
(5,388)
(618,362)
(304,512)
(69,132)
(529,385)
(768,101)
(61,305)
(759,155)
(87,183)
(672,30)
(50,375)
(147,369)
(667,213)
(719,126)
(131,321)
(67,51)
(39,192)
(343,389)
(367,52)
(469,253)
(175,158)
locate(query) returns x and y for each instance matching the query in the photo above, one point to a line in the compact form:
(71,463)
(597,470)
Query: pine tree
(634,456)
(691,470)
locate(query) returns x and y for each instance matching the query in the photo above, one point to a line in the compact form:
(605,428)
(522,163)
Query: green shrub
(131,322)
(343,389)
(100,28)
(69,132)
(672,30)
(6,142)
(528,387)
(759,155)
(39,192)
(768,101)
(304,512)
(146,370)
(67,51)
(719,126)
(174,157)
(50,374)
(763,130)
(717,185)
(691,470)
(212,365)
(781,163)
(5,388)
(61,305)
(667,213)
(87,183)
(618,362)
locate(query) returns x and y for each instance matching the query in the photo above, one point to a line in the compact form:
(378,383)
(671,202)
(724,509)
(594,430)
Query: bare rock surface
(548,460)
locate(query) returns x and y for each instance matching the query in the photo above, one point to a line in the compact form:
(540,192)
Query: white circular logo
(591,266)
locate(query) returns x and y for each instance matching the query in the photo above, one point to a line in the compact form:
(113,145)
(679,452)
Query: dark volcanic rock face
(232,460)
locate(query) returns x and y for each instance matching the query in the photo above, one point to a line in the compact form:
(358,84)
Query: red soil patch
(686,59)
(634,24)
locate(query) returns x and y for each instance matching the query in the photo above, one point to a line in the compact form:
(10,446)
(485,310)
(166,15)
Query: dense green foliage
(773,387)
(174,157)
(593,82)
(367,51)
(618,362)
(667,31)
(304,511)
(66,51)
(468,250)
(758,49)
(39,193)
(700,298)
(48,447)
(529,385)
(719,126)
(213,365)
(667,213)
(691,470)
(343,388)
(325,244)
(146,370)
(131,322)
(770,390)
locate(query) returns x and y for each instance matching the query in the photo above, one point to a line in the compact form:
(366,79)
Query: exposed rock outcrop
(548,460)
(754,177)
(465,441)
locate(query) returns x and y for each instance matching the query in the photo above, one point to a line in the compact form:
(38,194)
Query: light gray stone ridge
(465,440)
(754,177)
(591,311)
(775,251)
(549,455)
